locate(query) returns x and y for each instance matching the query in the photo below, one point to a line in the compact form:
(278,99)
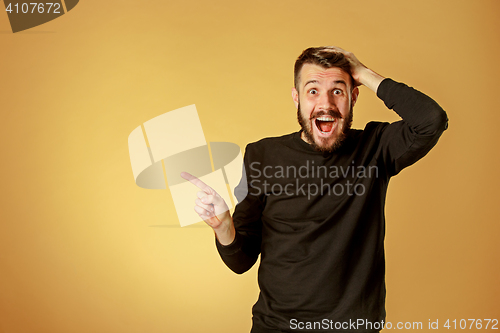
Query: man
(315,204)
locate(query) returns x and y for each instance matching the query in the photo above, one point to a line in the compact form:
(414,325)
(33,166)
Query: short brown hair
(323,57)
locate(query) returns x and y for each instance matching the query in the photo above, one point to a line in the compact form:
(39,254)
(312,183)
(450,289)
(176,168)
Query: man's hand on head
(361,74)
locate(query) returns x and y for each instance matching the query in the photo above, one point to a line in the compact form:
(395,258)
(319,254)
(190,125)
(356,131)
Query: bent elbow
(435,125)
(240,270)
(442,121)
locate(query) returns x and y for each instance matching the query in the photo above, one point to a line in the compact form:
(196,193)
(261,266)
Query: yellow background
(83,249)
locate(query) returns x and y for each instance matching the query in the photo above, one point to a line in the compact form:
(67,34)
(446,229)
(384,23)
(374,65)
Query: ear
(354,96)
(295,97)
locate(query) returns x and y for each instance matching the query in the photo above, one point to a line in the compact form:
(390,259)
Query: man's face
(324,105)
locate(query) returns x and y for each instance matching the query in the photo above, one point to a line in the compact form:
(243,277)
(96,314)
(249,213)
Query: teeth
(325,118)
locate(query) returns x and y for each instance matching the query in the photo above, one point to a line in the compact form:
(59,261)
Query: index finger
(195,181)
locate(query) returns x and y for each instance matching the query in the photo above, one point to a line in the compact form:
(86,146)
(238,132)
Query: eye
(337,92)
(313,91)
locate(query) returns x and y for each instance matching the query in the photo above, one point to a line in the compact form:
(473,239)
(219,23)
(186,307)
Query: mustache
(333,113)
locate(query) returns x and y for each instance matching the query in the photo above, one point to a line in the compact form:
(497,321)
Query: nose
(326,102)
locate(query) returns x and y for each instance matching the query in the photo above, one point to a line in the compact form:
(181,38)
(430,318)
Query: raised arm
(418,110)
(402,143)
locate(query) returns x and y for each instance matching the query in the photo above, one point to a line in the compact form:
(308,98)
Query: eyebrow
(336,82)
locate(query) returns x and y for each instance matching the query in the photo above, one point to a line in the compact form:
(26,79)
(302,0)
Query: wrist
(225,233)
(369,78)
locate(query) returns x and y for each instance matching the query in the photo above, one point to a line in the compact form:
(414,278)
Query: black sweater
(317,220)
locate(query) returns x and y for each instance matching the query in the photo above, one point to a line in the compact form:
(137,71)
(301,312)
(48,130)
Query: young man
(315,204)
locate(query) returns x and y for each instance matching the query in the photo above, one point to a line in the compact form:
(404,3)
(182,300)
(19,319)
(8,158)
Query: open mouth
(325,125)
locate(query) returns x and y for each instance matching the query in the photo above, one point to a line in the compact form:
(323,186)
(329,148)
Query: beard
(306,125)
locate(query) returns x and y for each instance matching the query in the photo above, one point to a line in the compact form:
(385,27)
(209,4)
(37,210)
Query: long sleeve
(404,142)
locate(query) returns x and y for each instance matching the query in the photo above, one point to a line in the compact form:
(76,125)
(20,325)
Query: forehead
(311,72)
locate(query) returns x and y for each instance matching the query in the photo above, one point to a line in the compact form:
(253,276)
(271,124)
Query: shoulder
(272,142)
(372,131)
(270,149)
(365,141)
